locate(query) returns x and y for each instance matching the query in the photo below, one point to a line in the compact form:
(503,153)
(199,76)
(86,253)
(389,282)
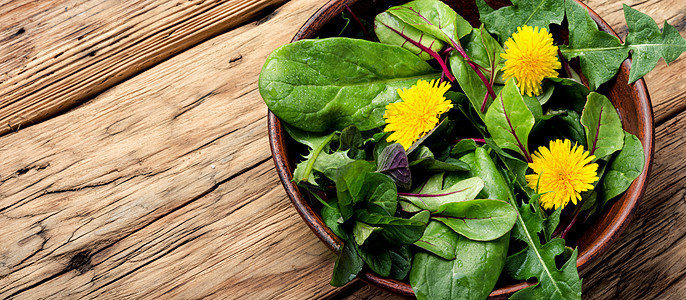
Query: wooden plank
(57,54)
(129,185)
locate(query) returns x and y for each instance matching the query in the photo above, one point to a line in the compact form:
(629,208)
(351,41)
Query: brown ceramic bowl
(631,100)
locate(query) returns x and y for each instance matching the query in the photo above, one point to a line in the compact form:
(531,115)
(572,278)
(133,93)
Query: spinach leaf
(509,120)
(348,264)
(433,17)
(471,275)
(333,219)
(604,133)
(623,169)
(401,261)
(395,230)
(385,21)
(424,160)
(480,219)
(350,187)
(439,240)
(362,231)
(535,13)
(329,84)
(381,194)
(648,44)
(377,257)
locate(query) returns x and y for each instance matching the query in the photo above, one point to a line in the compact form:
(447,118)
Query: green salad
(455,157)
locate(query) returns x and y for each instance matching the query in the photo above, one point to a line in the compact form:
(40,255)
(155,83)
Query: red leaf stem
(425,49)
(359,23)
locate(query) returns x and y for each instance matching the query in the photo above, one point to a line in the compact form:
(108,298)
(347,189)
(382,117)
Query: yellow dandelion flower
(562,172)
(530,56)
(417,113)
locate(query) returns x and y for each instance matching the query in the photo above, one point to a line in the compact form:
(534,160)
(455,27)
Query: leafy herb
(535,13)
(604,134)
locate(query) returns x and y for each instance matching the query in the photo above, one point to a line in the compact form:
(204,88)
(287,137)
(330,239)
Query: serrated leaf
(382,27)
(535,13)
(433,17)
(648,43)
(600,53)
(604,133)
(509,120)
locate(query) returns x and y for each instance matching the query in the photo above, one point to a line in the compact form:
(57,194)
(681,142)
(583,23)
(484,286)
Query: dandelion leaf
(648,44)
(535,13)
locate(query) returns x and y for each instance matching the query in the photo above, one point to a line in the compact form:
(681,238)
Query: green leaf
(424,160)
(600,53)
(428,198)
(401,261)
(329,84)
(623,169)
(483,7)
(438,239)
(648,44)
(362,231)
(509,120)
(471,275)
(568,283)
(517,166)
(381,194)
(480,219)
(322,162)
(377,257)
(433,17)
(350,188)
(463,147)
(348,264)
(535,13)
(482,166)
(604,133)
(393,162)
(333,219)
(388,36)
(484,50)
(395,230)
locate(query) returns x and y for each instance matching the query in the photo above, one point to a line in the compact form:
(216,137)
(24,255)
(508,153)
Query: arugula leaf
(509,120)
(623,169)
(604,133)
(535,13)
(480,219)
(649,44)
(329,84)
(599,52)
(471,275)
(433,17)
(382,27)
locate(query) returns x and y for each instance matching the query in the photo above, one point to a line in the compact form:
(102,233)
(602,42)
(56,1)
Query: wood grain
(162,180)
(60,53)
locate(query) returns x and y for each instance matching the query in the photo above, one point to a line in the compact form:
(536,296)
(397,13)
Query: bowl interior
(632,103)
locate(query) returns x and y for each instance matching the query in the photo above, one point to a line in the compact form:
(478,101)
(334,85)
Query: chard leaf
(329,84)
(535,13)
(433,17)
(401,261)
(484,50)
(600,53)
(438,239)
(648,44)
(431,199)
(623,169)
(604,133)
(471,275)
(536,260)
(362,231)
(395,230)
(509,120)
(393,162)
(424,160)
(382,27)
(479,220)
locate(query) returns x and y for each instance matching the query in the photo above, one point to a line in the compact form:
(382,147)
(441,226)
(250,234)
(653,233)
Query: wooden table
(134,159)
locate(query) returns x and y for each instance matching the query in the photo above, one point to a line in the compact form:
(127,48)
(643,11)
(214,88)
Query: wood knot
(81,262)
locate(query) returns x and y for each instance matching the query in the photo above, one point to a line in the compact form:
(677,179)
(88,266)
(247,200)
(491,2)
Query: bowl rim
(586,260)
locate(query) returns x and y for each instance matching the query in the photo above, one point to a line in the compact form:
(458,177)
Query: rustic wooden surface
(134,160)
